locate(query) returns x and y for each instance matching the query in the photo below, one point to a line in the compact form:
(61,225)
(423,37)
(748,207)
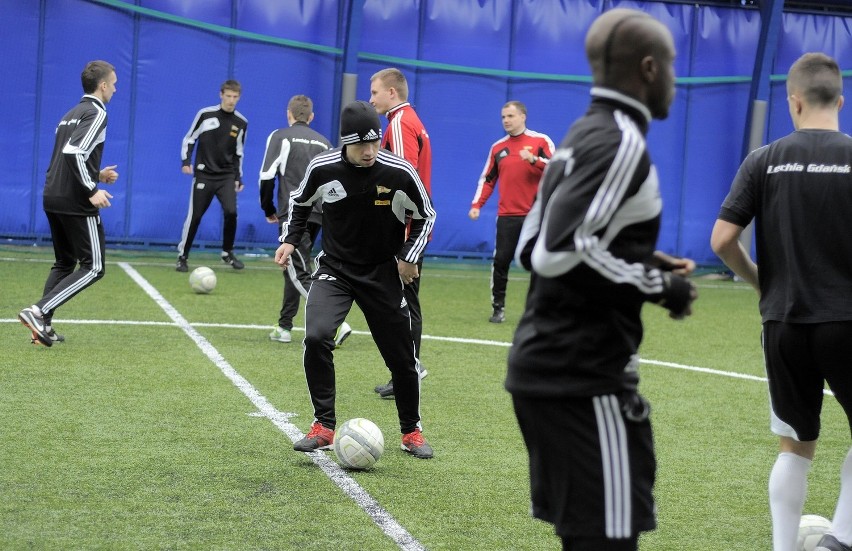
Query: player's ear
(648,69)
(840,103)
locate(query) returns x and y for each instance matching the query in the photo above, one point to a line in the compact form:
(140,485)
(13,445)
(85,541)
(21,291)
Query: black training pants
(204,189)
(301,262)
(378,291)
(75,239)
(508,234)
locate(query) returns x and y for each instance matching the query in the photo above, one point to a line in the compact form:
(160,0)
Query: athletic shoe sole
(343,333)
(29,320)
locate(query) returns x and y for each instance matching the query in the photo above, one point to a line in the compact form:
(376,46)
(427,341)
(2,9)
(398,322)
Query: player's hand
(100,199)
(687,311)
(238,186)
(473,214)
(186,169)
(678,295)
(407,271)
(527,156)
(282,254)
(674,264)
(272,219)
(108,175)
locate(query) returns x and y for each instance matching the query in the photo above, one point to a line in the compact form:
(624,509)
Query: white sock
(788,487)
(841,526)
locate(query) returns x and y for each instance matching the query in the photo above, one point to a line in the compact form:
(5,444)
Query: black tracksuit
(288,152)
(220,138)
(364,215)
(75,225)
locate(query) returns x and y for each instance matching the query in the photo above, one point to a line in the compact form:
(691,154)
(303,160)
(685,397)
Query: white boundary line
(388,525)
(693,368)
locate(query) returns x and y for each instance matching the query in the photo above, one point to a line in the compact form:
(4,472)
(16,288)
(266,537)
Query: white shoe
(421,369)
(342,334)
(280,335)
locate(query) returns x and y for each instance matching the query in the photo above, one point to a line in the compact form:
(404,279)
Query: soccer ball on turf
(811,530)
(358,443)
(202,280)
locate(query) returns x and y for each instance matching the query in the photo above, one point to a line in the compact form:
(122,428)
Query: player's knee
(317,337)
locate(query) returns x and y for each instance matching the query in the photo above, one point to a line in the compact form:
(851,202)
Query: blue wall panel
(270,76)
(549,36)
(19,64)
(62,64)
(171,87)
(391,27)
(216,12)
(485,51)
(468,32)
(462,113)
(305,21)
(714,123)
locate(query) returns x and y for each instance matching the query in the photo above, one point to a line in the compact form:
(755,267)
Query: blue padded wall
(464,59)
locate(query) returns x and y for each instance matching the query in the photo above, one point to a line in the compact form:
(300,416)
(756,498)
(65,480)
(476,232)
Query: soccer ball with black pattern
(811,530)
(202,280)
(358,443)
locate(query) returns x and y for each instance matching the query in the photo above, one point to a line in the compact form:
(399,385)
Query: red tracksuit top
(518,178)
(406,137)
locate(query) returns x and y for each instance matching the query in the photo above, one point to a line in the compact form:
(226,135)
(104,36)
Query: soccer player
(517,161)
(407,137)
(288,152)
(796,190)
(218,136)
(590,244)
(367,257)
(72,201)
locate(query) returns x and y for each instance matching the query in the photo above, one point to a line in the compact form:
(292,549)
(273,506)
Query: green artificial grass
(128,436)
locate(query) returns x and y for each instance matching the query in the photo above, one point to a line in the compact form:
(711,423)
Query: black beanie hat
(359,122)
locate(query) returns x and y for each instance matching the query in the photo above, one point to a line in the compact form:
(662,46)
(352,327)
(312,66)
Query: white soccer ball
(358,443)
(811,530)
(202,280)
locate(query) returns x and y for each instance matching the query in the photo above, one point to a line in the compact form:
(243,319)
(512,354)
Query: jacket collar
(627,101)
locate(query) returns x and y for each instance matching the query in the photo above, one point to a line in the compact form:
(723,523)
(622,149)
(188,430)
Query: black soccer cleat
(498,316)
(386,391)
(35,323)
(233,261)
(181,265)
(52,335)
(830,543)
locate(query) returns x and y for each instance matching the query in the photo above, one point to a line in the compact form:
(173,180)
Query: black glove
(678,294)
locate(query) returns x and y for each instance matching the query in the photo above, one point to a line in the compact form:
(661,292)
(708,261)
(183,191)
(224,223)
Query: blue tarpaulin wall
(464,59)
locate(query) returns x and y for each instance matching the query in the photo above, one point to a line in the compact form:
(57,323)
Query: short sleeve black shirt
(798,190)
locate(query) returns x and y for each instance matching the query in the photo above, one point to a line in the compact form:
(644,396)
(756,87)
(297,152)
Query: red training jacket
(518,178)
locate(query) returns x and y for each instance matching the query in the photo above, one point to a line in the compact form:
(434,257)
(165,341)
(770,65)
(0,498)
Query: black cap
(359,122)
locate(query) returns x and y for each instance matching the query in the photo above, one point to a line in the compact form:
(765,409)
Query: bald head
(630,51)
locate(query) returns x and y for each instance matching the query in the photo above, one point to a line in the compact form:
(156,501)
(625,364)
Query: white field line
(388,525)
(483,342)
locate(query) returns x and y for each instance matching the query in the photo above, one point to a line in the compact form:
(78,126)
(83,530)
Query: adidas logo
(404,303)
(332,193)
(371,135)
